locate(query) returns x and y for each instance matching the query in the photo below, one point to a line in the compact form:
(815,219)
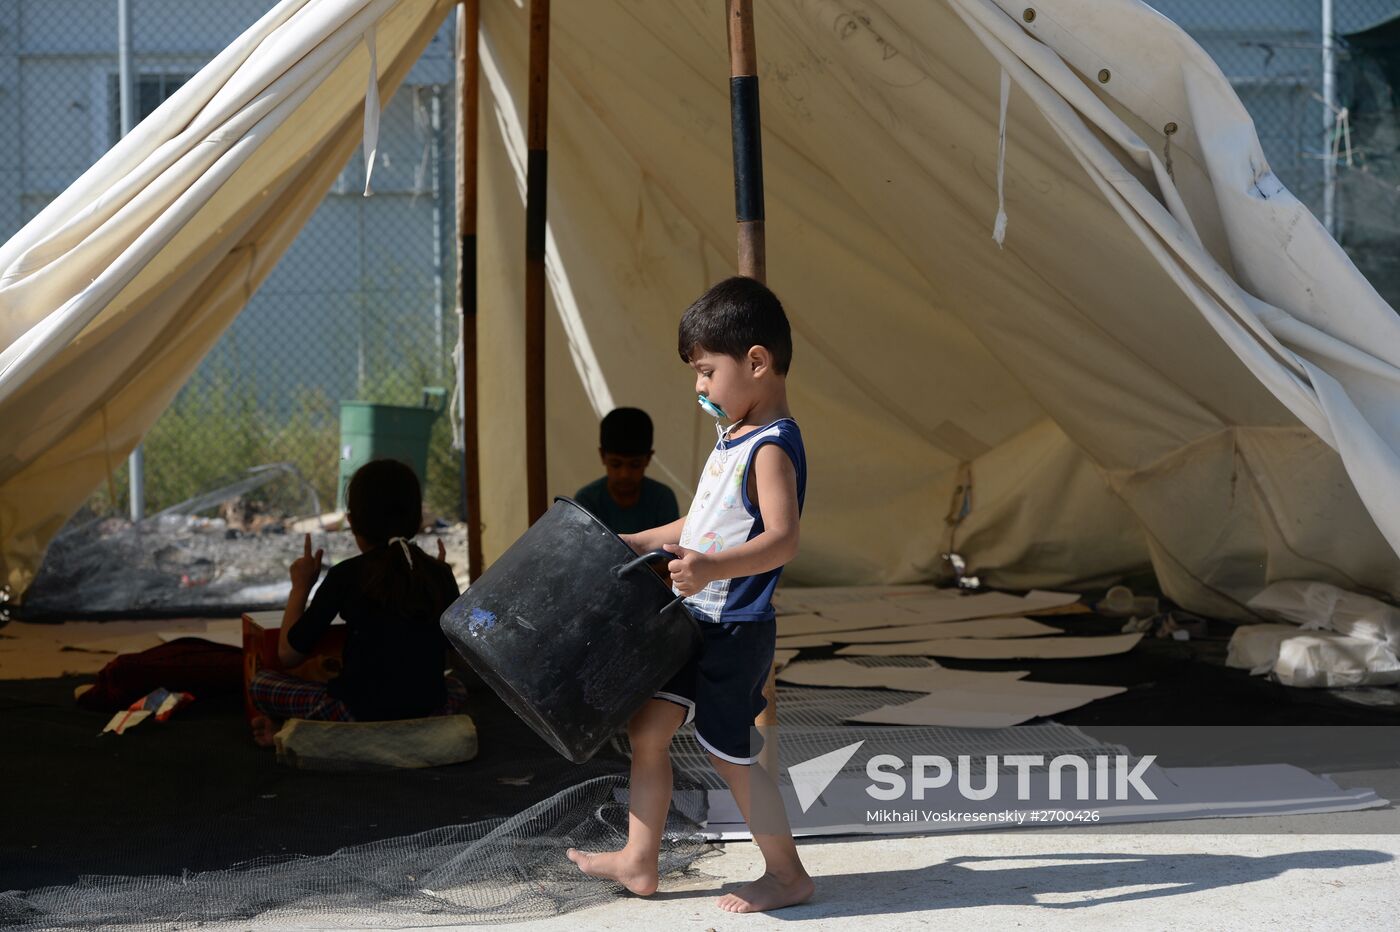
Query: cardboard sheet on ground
(227,632)
(1002,704)
(981,605)
(804,640)
(873,613)
(782,658)
(1033,601)
(795,625)
(41,651)
(1046,599)
(123,643)
(1183,793)
(1001,648)
(908,679)
(815,598)
(977,628)
(43,661)
(880,613)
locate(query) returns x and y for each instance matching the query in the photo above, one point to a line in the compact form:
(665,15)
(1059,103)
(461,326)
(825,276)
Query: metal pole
(535,187)
(439,222)
(468,76)
(1329,121)
(126,95)
(752,252)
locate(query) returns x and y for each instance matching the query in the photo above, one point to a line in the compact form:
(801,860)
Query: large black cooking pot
(572,629)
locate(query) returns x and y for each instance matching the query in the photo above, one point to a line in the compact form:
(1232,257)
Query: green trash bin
(371,431)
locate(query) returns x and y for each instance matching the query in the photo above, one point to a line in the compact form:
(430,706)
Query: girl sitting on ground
(391,596)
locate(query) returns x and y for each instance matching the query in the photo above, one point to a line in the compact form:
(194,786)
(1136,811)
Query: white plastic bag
(1325,658)
(1319,606)
(1255,647)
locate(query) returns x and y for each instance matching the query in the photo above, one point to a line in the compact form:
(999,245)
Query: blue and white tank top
(723,517)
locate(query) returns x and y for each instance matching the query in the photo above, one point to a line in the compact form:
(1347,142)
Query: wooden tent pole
(468,75)
(748,212)
(535,187)
(748,144)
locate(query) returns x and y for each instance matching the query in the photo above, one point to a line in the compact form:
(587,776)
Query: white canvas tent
(1168,361)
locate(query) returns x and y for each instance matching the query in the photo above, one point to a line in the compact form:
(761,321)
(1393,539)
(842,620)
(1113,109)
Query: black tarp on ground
(196,794)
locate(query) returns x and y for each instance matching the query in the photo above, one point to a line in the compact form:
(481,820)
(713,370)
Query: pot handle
(630,565)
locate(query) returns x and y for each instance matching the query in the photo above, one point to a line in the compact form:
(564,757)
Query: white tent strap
(1052,69)
(457,404)
(371,111)
(999,226)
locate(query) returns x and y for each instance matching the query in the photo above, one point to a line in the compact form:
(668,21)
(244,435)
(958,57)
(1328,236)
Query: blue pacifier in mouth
(712,409)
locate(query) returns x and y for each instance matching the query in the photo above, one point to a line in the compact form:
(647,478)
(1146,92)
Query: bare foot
(636,875)
(263,730)
(768,892)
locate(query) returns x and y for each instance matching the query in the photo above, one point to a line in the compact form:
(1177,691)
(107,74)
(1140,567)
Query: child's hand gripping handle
(619,571)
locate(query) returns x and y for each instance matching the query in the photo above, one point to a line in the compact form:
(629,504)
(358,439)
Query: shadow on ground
(1050,881)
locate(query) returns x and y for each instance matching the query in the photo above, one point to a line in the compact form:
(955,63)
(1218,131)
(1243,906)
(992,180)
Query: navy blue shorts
(721,686)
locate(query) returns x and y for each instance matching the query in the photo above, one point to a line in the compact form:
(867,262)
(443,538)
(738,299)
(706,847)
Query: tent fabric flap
(111,296)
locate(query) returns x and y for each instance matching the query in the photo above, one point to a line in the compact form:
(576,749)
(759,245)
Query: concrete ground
(1302,872)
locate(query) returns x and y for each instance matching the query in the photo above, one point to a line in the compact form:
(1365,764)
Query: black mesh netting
(492,871)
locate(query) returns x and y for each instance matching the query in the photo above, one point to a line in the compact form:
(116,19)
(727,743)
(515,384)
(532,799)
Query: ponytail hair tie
(403,542)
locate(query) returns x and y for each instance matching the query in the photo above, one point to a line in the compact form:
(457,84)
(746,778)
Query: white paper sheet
(1017,700)
(937,715)
(1001,648)
(977,628)
(907,679)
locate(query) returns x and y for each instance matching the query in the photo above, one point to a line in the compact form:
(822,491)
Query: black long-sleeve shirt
(393,660)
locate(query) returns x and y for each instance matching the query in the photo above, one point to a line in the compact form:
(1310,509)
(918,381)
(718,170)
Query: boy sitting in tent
(625,499)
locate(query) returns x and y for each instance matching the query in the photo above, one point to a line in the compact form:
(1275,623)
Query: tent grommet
(1169,129)
(1028,14)
(1104,75)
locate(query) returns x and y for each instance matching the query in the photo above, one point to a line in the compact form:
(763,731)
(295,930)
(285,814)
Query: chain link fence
(361,307)
(1335,143)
